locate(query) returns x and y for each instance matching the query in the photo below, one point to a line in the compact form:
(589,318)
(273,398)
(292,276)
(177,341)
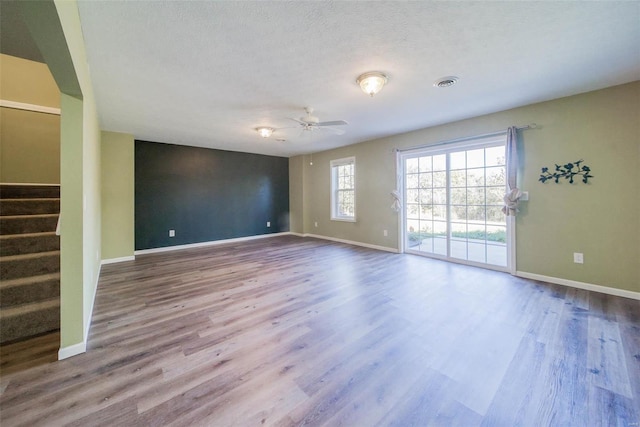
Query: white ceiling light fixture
(265,132)
(446,81)
(372,82)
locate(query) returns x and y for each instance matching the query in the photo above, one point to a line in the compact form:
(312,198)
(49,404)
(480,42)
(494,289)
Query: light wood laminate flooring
(291,331)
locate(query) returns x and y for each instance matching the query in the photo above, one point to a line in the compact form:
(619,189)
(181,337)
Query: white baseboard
(580,285)
(115,260)
(72,350)
(210,243)
(351,242)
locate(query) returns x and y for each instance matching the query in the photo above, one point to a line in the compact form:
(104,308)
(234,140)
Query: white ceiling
(206,73)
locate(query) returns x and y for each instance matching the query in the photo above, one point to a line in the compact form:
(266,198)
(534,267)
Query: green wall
(29,141)
(599,219)
(56,30)
(117,167)
(89,170)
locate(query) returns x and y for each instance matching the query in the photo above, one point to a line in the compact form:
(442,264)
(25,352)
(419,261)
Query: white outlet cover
(172,233)
(268,223)
(578,258)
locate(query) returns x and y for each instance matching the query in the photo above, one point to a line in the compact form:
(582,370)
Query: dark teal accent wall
(206,195)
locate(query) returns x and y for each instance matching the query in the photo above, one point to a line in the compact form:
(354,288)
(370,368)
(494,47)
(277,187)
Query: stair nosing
(26,199)
(20,257)
(31,307)
(5,217)
(38,234)
(20,281)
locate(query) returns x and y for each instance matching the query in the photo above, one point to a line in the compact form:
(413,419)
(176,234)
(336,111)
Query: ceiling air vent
(446,81)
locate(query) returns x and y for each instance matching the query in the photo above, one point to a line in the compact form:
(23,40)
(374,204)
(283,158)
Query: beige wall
(29,141)
(599,219)
(27,81)
(117,164)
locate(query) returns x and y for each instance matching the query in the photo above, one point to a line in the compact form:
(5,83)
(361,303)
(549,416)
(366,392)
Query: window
(343,189)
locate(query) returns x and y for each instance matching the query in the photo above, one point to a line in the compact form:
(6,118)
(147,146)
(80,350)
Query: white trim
(354,243)
(72,350)
(344,219)
(580,285)
(29,107)
(115,260)
(209,243)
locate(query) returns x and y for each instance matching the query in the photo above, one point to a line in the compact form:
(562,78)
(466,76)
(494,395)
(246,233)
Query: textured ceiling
(207,73)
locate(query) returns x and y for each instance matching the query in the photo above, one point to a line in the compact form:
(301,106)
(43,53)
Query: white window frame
(334,165)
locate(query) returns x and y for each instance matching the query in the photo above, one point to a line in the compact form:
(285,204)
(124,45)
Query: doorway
(453,197)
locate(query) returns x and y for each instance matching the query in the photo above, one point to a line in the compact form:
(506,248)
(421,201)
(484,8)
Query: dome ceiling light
(372,82)
(264,131)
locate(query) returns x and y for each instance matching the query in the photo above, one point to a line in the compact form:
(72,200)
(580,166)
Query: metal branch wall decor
(568,171)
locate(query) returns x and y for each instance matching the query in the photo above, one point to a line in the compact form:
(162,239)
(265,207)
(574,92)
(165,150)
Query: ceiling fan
(311,123)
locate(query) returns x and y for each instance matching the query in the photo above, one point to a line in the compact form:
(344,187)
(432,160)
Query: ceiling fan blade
(335,130)
(333,123)
(298,121)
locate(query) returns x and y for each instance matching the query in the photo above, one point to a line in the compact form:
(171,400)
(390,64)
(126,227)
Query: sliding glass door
(453,200)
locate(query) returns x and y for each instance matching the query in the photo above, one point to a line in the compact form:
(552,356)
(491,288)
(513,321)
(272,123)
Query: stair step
(16,244)
(26,320)
(20,224)
(29,289)
(16,191)
(26,265)
(29,206)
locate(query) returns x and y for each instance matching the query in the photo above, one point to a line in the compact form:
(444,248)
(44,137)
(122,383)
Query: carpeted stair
(29,261)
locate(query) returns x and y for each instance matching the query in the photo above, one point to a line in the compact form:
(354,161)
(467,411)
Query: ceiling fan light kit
(264,131)
(372,82)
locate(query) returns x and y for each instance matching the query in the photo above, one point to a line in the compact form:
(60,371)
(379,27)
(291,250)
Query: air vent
(446,81)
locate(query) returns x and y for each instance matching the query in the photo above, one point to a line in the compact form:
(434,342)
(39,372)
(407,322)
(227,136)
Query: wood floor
(290,331)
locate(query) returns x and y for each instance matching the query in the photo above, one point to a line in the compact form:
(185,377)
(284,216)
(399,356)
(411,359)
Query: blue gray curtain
(513,194)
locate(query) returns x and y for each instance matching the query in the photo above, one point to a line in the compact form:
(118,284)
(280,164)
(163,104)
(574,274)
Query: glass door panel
(453,205)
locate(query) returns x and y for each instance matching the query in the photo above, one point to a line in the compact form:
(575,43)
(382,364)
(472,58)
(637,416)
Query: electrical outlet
(268,223)
(315,224)
(525,196)
(578,258)
(172,233)
(385,233)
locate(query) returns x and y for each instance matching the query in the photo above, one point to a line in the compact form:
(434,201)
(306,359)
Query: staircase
(29,261)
